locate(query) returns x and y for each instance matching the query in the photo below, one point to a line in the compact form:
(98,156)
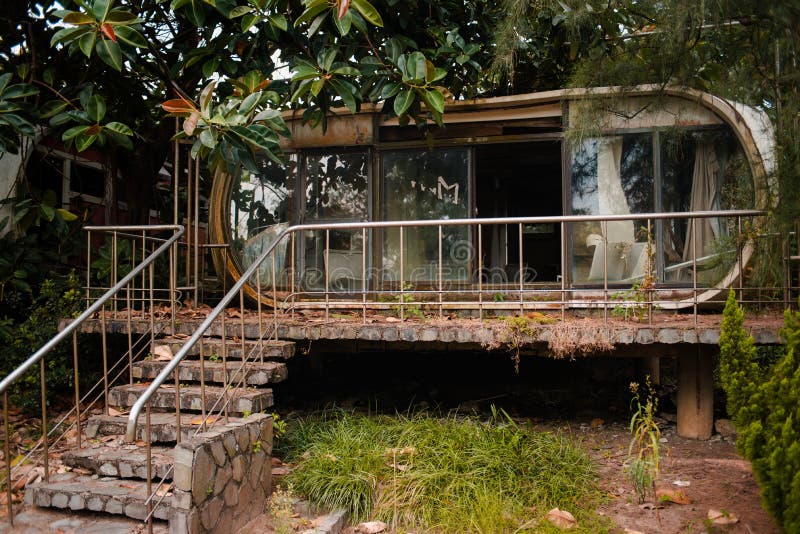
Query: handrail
(251,270)
(101,301)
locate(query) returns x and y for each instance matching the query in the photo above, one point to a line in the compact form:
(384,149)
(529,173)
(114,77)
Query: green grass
(449,474)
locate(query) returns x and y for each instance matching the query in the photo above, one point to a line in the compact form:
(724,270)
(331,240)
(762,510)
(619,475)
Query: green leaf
(20,90)
(47,211)
(314,9)
(205,98)
(248,21)
(304,72)
(403,101)
(66,215)
(122,17)
(77,18)
(239,11)
(73,132)
(208,138)
(249,103)
(210,66)
(267,114)
(256,135)
(110,53)
(279,21)
(67,35)
(434,100)
(86,43)
(130,36)
(52,108)
(326,57)
(119,128)
(367,11)
(100,9)
(343,24)
(317,86)
(96,108)
(82,142)
(347,93)
(4,81)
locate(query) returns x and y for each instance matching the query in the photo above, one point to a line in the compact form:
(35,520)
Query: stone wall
(222,477)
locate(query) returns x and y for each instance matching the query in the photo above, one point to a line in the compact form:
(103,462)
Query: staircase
(109,475)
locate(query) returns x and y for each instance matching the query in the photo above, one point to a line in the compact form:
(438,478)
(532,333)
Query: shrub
(764,403)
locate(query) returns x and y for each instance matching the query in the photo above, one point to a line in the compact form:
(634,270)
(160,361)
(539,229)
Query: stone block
(229,442)
(113,506)
(238,468)
(408,334)
(645,336)
(59,500)
(231,494)
(136,510)
(182,468)
(95,504)
(181,500)
(203,472)
(222,477)
(243,439)
(76,502)
(218,452)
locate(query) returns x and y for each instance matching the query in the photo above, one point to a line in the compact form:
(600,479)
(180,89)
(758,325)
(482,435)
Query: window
(426,184)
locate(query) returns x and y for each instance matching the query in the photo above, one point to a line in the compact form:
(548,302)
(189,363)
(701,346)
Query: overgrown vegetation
(448,474)
(764,404)
(644,451)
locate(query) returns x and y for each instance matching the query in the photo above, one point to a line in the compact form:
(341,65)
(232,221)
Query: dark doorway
(520,180)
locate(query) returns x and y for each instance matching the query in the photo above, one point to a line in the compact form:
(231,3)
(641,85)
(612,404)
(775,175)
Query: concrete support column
(696,393)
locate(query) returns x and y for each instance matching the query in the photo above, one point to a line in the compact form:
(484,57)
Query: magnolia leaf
(178,106)
(434,99)
(119,128)
(403,101)
(69,34)
(267,114)
(130,36)
(52,108)
(279,21)
(205,98)
(86,43)
(342,7)
(96,109)
(66,215)
(82,142)
(110,53)
(239,11)
(190,123)
(73,132)
(121,16)
(368,11)
(314,9)
(108,31)
(347,92)
(77,18)
(343,24)
(100,9)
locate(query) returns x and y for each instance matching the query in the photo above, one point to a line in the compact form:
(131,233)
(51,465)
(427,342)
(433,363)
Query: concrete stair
(108,474)
(240,400)
(232,372)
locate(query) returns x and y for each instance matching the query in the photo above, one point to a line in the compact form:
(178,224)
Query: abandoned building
(615,225)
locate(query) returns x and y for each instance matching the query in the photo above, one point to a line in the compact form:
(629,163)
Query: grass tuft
(448,474)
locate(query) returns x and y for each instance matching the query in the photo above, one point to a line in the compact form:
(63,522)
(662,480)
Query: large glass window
(611,176)
(261,204)
(426,184)
(336,189)
(701,171)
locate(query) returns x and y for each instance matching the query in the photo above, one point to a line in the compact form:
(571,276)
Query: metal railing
(70,331)
(252,275)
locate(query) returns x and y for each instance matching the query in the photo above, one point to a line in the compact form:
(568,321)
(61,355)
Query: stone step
(212,346)
(122,460)
(240,400)
(251,374)
(107,494)
(162,426)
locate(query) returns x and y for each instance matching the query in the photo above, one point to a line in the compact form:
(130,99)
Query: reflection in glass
(261,205)
(611,176)
(702,171)
(336,190)
(426,184)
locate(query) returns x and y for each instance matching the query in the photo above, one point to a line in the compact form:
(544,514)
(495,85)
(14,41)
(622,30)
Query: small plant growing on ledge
(643,451)
(281,509)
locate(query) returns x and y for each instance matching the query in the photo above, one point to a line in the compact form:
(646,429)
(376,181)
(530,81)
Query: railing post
(149,462)
(604,227)
(274,299)
(402,284)
(480,272)
(694,270)
(7,456)
(364,274)
(439,276)
(88,268)
(114,262)
(105,357)
(76,378)
(327,273)
(521,276)
(260,318)
(44,424)
(563,271)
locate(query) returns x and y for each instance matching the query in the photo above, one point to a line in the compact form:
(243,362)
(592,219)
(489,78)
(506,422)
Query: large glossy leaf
(86,43)
(77,18)
(368,11)
(73,132)
(100,9)
(119,128)
(347,93)
(313,9)
(67,35)
(52,108)
(130,36)
(122,17)
(82,142)
(178,106)
(434,99)
(403,101)
(205,98)
(96,108)
(110,53)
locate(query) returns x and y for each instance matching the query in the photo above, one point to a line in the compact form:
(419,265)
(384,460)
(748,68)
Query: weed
(443,474)
(519,328)
(498,297)
(257,446)
(278,426)
(214,358)
(568,339)
(643,451)
(281,509)
(246,413)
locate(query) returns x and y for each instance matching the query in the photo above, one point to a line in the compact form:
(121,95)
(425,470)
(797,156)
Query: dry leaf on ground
(562,519)
(676,496)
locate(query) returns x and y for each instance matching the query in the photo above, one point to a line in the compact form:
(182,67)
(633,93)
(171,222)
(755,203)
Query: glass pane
(702,171)
(426,184)
(336,189)
(611,176)
(261,205)
(337,186)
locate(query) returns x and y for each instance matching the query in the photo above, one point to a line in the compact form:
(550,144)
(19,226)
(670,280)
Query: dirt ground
(709,473)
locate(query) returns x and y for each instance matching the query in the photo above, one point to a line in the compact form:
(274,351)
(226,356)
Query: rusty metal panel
(343,130)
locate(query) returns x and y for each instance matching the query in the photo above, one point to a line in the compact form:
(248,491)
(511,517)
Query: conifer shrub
(764,404)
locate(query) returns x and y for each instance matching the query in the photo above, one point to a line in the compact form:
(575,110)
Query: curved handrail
(100,302)
(167,371)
